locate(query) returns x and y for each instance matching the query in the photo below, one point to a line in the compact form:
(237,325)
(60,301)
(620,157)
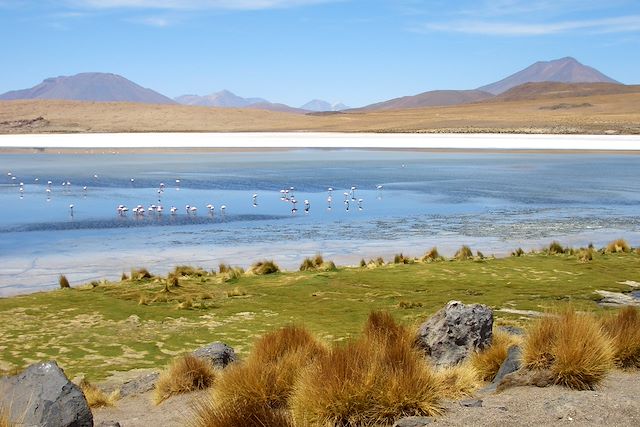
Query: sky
(291,51)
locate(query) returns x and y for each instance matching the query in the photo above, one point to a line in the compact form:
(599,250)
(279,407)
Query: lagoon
(494,201)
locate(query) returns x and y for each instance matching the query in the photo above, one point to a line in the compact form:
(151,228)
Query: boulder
(43,396)
(511,364)
(140,384)
(455,331)
(413,422)
(219,354)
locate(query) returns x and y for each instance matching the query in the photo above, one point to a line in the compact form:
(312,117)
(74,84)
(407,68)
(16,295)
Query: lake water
(493,201)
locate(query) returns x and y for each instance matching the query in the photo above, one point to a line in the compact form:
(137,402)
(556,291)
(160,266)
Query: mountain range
(106,87)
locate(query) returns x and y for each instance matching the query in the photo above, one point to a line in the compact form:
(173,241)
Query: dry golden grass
(464,253)
(624,330)
(185,374)
(432,256)
(209,414)
(63,282)
(618,246)
(4,418)
(264,267)
(620,113)
(459,381)
(488,361)
(572,346)
(374,380)
(97,398)
(585,255)
(258,389)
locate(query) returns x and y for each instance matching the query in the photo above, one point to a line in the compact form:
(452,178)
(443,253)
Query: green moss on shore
(95,331)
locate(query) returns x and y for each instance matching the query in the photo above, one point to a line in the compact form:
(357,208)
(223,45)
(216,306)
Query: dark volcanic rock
(43,396)
(219,354)
(451,334)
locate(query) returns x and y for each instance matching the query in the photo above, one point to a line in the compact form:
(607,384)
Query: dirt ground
(614,403)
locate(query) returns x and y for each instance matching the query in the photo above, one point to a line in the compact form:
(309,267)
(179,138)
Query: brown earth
(614,403)
(607,114)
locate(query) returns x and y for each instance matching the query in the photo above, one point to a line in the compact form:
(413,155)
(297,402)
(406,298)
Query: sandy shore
(169,141)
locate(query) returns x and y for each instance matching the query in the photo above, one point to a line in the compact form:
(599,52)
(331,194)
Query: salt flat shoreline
(293,140)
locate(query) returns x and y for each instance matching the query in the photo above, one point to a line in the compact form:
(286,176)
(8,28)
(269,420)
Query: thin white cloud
(194,4)
(622,24)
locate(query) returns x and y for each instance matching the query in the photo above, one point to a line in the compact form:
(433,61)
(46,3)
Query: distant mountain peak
(99,87)
(562,70)
(319,105)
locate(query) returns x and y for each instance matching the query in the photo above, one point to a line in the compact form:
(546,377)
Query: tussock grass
(401,259)
(224,268)
(124,277)
(585,255)
(235,292)
(97,398)
(173,280)
(518,252)
(572,346)
(187,304)
(264,267)
(464,253)
(459,381)
(188,271)
(317,263)
(374,380)
(409,304)
(143,300)
(185,374)
(63,282)
(5,421)
(140,274)
(624,330)
(256,391)
(488,361)
(555,248)
(363,263)
(232,274)
(618,246)
(432,255)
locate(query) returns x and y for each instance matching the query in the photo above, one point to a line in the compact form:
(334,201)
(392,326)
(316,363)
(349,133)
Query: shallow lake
(493,201)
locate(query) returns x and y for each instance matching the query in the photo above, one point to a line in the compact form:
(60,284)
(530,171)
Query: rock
(139,385)
(413,422)
(471,403)
(511,364)
(43,396)
(513,330)
(219,354)
(108,424)
(455,331)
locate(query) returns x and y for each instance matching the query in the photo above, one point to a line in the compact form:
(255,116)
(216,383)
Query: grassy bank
(144,322)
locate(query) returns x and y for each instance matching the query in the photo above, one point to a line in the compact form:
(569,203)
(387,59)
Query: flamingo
(360,204)
(210,208)
(346,204)
(159,209)
(307,206)
(193,210)
(353,193)
(173,210)
(186,208)
(71,209)
(223,209)
(255,200)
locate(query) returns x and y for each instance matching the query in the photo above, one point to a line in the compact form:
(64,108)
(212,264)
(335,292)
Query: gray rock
(219,354)
(43,396)
(455,331)
(138,385)
(513,330)
(413,422)
(109,424)
(471,403)
(511,364)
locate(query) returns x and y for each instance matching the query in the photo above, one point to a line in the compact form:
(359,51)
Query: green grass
(95,331)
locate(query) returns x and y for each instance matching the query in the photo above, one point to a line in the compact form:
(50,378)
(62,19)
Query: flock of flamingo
(286,195)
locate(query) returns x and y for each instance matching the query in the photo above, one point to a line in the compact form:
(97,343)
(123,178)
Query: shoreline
(275,141)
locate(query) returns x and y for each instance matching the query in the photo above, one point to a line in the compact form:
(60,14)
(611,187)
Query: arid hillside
(546,113)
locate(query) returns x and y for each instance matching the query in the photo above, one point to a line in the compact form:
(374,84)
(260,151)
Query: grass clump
(572,347)
(256,392)
(185,374)
(432,256)
(262,268)
(618,246)
(5,421)
(317,263)
(140,274)
(401,259)
(124,277)
(63,282)
(235,292)
(409,304)
(585,255)
(458,381)
(374,380)
(518,252)
(231,273)
(488,361)
(188,271)
(555,248)
(97,398)
(363,263)
(624,330)
(464,253)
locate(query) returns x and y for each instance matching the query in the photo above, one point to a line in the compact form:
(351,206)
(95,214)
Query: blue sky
(291,51)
